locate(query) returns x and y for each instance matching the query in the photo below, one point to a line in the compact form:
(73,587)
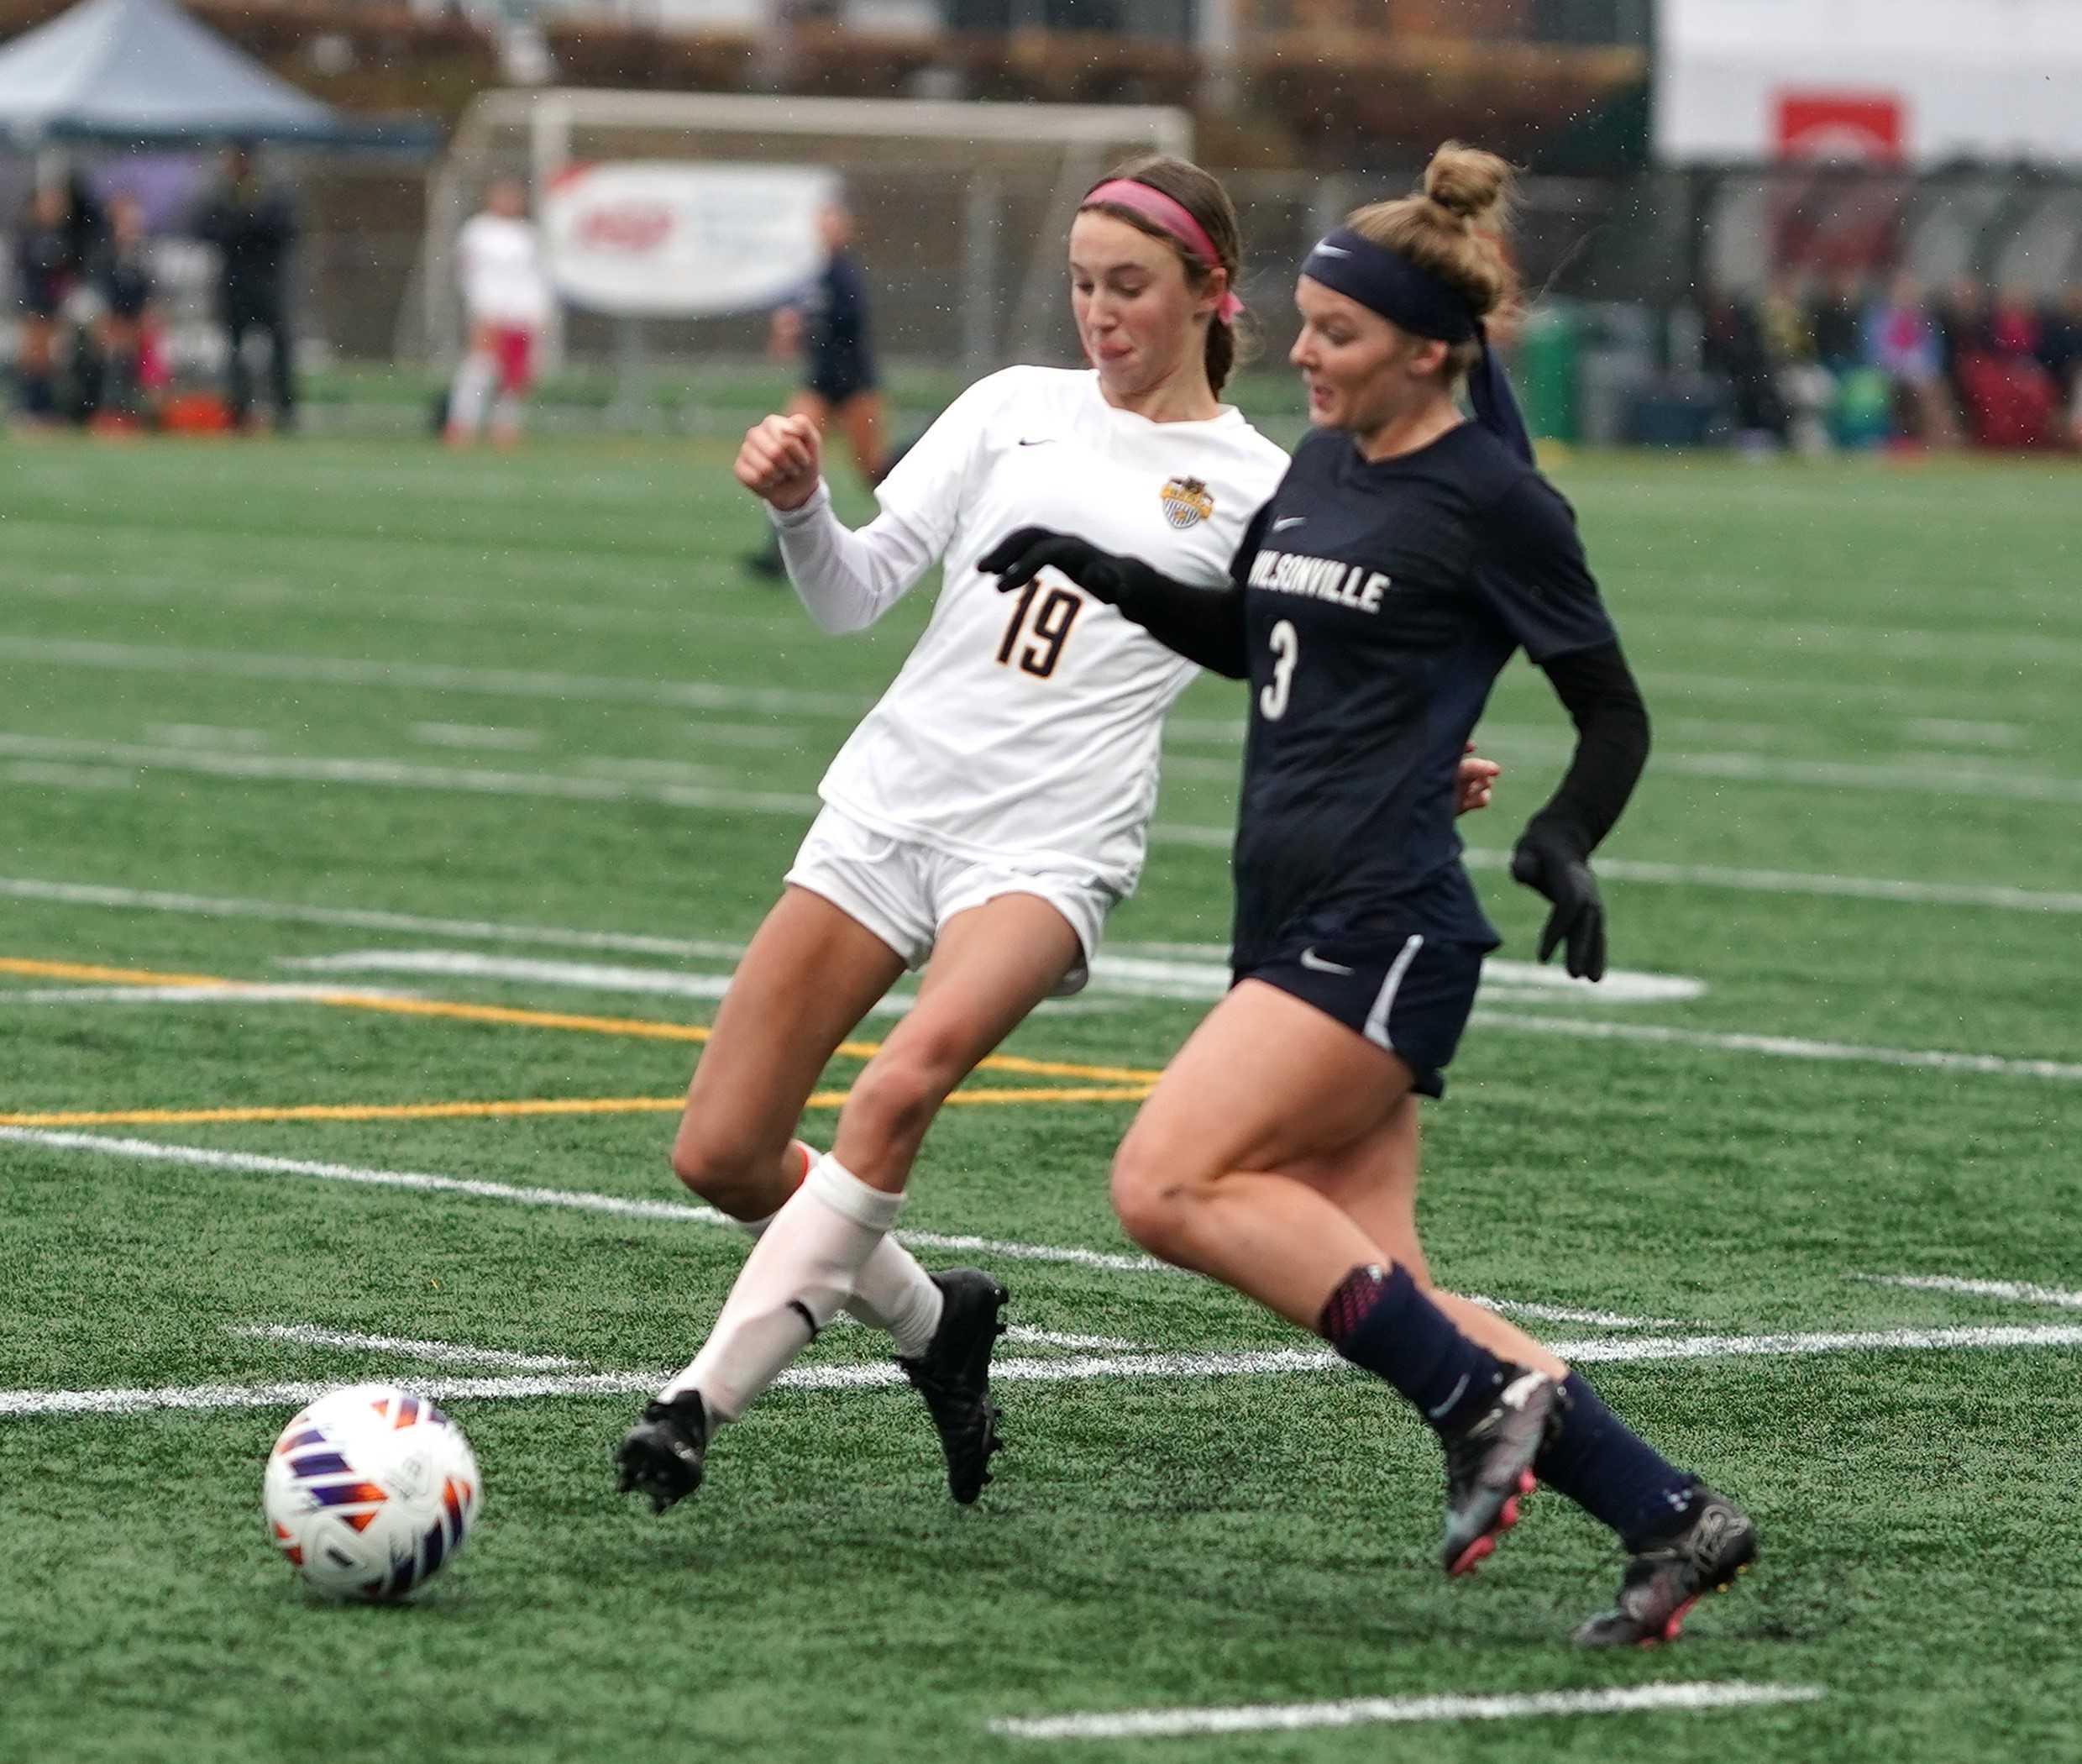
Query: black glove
(1019,557)
(1548,862)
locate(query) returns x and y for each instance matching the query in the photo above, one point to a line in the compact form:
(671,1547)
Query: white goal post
(963,206)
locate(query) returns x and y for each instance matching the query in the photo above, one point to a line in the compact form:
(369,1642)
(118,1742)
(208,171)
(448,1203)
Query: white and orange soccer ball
(369,1491)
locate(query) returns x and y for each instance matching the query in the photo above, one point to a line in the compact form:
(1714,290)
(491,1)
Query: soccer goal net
(962,208)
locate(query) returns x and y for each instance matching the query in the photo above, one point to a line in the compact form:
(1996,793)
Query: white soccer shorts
(903,892)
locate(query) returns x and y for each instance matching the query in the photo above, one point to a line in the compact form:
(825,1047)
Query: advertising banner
(666,239)
(1911,83)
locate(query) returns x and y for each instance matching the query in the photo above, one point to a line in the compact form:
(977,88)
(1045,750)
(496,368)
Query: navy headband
(1408,296)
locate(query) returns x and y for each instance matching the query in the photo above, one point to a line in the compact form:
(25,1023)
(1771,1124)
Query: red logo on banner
(1860,126)
(627,226)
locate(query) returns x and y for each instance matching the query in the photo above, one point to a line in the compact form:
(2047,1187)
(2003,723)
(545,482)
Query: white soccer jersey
(499,262)
(1025,726)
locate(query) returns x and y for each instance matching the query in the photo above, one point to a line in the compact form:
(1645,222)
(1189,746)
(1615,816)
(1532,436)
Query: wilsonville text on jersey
(1320,579)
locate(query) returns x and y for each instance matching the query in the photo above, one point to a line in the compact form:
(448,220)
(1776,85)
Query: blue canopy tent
(144,71)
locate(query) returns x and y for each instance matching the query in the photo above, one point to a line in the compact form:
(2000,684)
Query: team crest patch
(1187,501)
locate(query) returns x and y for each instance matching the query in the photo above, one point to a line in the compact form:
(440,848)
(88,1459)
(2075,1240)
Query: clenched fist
(780,461)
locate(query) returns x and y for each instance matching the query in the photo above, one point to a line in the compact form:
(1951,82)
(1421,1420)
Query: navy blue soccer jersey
(838,359)
(1381,601)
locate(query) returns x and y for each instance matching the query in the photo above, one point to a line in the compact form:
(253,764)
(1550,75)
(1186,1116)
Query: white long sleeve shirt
(1024,727)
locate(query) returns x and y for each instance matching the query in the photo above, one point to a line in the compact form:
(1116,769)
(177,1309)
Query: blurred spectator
(1902,343)
(122,272)
(506,293)
(1961,312)
(2006,397)
(1789,332)
(2014,329)
(1734,348)
(2060,347)
(1805,388)
(253,224)
(61,229)
(44,271)
(1837,323)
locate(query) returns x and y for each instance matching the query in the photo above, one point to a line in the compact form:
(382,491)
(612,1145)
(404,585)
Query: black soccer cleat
(1715,1542)
(661,1455)
(1489,1468)
(953,1376)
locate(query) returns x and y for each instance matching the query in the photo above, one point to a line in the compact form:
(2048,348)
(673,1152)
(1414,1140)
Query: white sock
(506,414)
(475,375)
(892,1291)
(801,1270)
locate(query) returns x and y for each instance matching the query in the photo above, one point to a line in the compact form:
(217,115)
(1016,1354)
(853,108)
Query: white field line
(235,993)
(585,976)
(1743,880)
(1087,1344)
(673,621)
(1135,976)
(881,1373)
(1807,1343)
(1787,1047)
(258,1164)
(204,735)
(1971,778)
(360,918)
(430,677)
(1749,635)
(404,775)
(1945,729)
(452,1353)
(2021,1291)
(474,737)
(1201,972)
(1174,1724)
(1804,882)
(46,774)
(1565,1314)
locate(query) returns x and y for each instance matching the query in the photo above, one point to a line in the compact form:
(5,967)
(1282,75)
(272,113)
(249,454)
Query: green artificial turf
(253,690)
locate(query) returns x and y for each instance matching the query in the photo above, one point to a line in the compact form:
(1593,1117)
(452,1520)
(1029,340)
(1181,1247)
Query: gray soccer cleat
(1489,1468)
(1716,1542)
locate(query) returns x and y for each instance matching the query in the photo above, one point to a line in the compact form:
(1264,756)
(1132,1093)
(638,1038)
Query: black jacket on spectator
(253,225)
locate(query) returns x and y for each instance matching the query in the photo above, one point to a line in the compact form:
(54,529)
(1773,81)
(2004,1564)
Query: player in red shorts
(505,292)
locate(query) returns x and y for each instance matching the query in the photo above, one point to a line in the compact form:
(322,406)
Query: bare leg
(1264,1082)
(860,419)
(809,975)
(1373,1181)
(992,964)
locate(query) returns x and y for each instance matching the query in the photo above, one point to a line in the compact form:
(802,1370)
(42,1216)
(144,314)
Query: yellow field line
(645,1027)
(491,1110)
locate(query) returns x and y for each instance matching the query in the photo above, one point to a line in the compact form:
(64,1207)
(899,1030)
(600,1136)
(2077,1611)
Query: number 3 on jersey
(1049,632)
(1285,651)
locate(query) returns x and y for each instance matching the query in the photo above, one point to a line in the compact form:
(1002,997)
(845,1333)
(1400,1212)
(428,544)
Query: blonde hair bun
(1465,181)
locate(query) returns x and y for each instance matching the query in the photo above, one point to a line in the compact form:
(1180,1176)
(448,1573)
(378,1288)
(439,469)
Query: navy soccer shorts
(1411,997)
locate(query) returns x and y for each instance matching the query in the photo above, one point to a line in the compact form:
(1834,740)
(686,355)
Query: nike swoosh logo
(1330,250)
(1043,441)
(1310,959)
(1280,526)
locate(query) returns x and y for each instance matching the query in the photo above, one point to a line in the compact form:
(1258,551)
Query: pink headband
(1174,218)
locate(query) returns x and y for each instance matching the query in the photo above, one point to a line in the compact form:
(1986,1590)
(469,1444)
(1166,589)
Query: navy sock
(1610,1471)
(1381,1319)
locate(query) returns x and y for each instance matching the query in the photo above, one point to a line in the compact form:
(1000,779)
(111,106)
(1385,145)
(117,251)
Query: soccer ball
(369,1491)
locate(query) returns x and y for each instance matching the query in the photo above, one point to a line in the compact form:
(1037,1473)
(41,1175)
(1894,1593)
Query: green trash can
(1863,413)
(1544,370)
